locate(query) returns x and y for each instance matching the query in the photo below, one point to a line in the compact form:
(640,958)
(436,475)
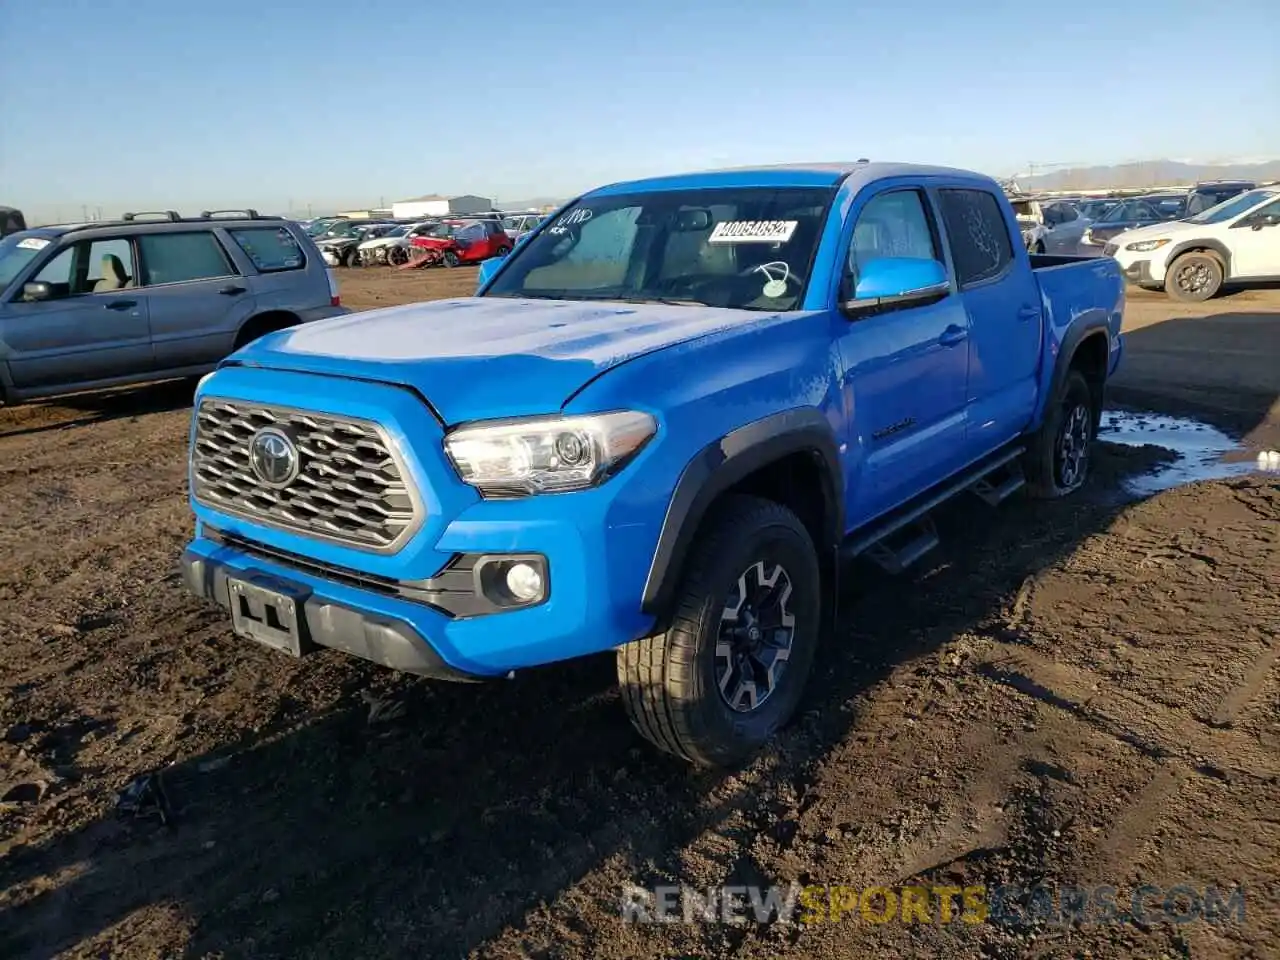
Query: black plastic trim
(1217,247)
(720,465)
(453,590)
(386,641)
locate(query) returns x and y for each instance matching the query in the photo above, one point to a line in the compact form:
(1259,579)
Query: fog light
(524,581)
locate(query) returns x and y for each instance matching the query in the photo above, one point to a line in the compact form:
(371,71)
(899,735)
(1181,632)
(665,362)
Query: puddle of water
(1203,452)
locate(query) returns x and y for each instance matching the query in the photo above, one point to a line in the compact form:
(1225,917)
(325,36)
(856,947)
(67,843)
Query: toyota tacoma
(660,427)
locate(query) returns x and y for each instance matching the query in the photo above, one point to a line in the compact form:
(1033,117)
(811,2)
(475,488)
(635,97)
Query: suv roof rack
(171,215)
(248,213)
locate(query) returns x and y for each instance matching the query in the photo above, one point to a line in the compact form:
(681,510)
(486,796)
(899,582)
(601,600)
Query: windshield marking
(753,231)
(33,243)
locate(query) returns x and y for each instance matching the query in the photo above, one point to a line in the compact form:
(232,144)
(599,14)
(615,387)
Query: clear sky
(173,104)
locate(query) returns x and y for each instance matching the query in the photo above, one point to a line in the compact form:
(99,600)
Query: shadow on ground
(88,408)
(1237,377)
(428,835)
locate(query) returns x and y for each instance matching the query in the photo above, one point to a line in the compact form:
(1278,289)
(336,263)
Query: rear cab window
(269,249)
(977,233)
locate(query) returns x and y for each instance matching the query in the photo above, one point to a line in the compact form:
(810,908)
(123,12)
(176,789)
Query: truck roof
(820,174)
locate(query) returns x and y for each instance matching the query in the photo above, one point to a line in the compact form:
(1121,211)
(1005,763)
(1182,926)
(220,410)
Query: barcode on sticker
(753,231)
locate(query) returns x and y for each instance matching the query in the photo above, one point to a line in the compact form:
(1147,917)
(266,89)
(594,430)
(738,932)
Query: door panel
(1002,301)
(197,297)
(81,339)
(906,389)
(95,326)
(905,370)
(1256,253)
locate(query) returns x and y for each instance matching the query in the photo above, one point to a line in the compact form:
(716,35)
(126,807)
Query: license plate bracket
(269,611)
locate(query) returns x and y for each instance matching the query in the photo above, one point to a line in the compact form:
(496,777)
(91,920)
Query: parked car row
(1188,242)
(448,240)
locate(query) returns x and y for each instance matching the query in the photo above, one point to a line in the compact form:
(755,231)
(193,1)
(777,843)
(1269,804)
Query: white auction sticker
(753,231)
(32,243)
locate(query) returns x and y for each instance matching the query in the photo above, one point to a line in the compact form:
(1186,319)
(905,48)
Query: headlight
(1088,236)
(1144,245)
(548,455)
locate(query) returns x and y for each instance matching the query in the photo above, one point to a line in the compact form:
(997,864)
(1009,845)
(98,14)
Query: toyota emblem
(274,457)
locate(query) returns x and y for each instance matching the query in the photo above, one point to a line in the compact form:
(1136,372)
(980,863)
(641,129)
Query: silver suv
(149,297)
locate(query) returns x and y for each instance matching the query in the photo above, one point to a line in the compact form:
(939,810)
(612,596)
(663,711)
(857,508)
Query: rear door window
(269,249)
(977,234)
(182,257)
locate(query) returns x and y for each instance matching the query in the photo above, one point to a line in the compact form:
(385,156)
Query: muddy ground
(1082,692)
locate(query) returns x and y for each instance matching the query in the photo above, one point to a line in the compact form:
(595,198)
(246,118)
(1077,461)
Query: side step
(913,520)
(994,490)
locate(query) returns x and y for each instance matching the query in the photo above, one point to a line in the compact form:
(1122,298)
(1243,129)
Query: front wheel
(1194,277)
(730,671)
(1057,461)
(450,258)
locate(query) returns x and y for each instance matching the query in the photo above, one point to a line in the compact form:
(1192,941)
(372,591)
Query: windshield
(16,251)
(1149,208)
(442,231)
(319,227)
(1234,207)
(1096,208)
(749,248)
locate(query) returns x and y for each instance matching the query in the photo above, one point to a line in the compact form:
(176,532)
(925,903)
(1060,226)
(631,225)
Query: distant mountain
(1151,173)
(537,203)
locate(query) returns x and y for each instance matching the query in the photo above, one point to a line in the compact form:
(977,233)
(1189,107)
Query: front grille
(350,486)
(1110,250)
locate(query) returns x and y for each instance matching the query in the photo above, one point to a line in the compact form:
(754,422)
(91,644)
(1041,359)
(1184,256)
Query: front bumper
(1139,272)
(324,622)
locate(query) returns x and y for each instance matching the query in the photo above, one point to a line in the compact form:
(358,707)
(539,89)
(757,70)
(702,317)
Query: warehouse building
(434,205)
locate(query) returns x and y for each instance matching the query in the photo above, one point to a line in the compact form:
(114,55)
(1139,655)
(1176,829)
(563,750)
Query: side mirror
(37,291)
(487,269)
(889,282)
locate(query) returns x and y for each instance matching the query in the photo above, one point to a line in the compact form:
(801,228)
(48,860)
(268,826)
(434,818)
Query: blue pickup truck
(660,427)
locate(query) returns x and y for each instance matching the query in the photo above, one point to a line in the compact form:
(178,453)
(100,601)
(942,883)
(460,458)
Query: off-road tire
(1046,459)
(669,680)
(1209,283)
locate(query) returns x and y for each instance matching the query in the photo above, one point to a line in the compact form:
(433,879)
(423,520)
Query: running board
(895,559)
(996,492)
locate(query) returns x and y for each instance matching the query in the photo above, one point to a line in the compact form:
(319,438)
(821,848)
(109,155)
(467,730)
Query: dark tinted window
(271,249)
(182,257)
(977,233)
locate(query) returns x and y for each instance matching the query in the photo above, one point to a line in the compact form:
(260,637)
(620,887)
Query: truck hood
(476,358)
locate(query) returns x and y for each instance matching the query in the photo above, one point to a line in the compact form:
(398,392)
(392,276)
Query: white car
(1238,241)
(393,246)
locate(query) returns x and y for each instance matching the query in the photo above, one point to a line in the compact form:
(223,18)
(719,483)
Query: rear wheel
(730,671)
(1194,277)
(1057,462)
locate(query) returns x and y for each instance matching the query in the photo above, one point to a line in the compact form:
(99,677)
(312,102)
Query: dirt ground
(1074,693)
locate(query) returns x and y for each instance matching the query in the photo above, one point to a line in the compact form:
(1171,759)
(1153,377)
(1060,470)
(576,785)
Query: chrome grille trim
(353,489)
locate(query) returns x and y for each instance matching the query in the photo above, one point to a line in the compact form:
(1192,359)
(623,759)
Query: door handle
(231,290)
(121,305)
(1028,313)
(953,335)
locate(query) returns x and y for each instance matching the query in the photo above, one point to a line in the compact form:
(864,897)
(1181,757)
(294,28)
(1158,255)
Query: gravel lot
(1082,692)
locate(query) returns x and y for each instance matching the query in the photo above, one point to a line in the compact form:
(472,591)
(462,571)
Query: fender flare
(1217,246)
(1066,357)
(721,464)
